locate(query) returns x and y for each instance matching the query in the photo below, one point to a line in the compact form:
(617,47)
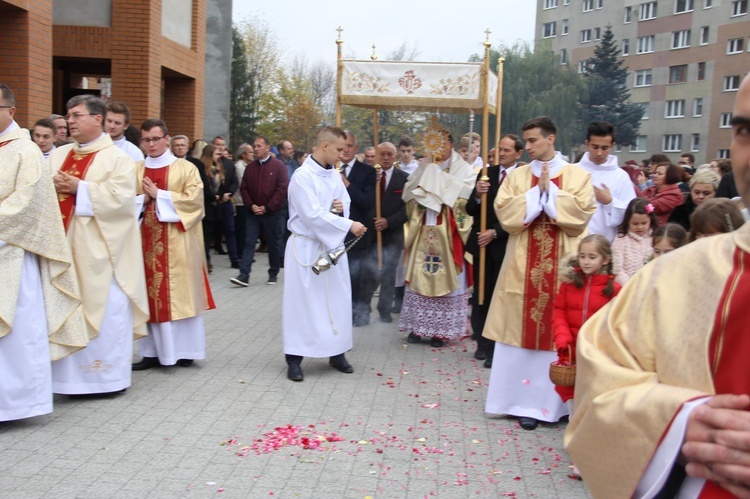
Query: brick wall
(25,58)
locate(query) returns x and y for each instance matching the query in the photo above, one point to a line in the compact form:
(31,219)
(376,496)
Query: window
(695,142)
(704,35)
(599,4)
(672,143)
(566,2)
(564,27)
(597,33)
(681,39)
(625,50)
(725,120)
(548,29)
(681,6)
(645,44)
(628,15)
(647,11)
(588,5)
(585,36)
(739,7)
(731,83)
(735,45)
(550,4)
(723,153)
(707,4)
(701,72)
(678,74)
(618,147)
(563,56)
(641,141)
(675,109)
(643,78)
(581,67)
(698,107)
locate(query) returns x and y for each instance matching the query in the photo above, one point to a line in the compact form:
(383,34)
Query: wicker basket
(563,375)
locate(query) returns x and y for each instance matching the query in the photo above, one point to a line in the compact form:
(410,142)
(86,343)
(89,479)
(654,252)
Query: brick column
(26,58)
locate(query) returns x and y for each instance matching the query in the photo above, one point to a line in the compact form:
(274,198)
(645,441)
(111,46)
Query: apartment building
(685,60)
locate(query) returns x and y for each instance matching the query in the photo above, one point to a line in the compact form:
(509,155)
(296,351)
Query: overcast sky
(439,31)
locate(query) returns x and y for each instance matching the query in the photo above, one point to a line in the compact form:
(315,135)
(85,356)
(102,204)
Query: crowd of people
(122,247)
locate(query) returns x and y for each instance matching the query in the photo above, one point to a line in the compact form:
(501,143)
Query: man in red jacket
(263,190)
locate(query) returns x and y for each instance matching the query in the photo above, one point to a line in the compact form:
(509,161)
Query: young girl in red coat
(589,285)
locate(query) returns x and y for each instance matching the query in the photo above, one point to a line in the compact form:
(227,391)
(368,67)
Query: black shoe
(386,318)
(413,338)
(235,265)
(294,373)
(220,251)
(272,280)
(528,423)
(210,269)
(480,354)
(185,362)
(340,363)
(241,280)
(488,362)
(436,343)
(146,363)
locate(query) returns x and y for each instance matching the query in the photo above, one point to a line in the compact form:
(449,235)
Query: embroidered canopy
(452,87)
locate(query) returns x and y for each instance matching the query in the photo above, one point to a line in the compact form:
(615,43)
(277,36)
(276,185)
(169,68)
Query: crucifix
(487,32)
(339,29)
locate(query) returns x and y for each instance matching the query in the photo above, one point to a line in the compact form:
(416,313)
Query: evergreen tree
(242,117)
(607,98)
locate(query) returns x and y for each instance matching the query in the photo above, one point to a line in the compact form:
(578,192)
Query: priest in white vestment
(41,318)
(174,259)
(96,187)
(317,309)
(662,389)
(612,186)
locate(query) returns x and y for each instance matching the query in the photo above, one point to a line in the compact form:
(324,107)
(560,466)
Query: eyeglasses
(77,116)
(6,107)
(152,140)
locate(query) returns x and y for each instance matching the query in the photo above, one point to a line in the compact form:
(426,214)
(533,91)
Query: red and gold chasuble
(730,343)
(75,165)
(541,279)
(155,241)
(5,143)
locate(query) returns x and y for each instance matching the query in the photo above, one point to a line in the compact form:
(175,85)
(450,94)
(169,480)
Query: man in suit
(359,180)
(391,222)
(493,239)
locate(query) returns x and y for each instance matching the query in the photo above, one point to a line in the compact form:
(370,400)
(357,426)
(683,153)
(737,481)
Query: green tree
(607,97)
(241,114)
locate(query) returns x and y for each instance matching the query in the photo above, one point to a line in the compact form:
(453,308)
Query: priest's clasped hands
(717,443)
(149,189)
(544,178)
(65,183)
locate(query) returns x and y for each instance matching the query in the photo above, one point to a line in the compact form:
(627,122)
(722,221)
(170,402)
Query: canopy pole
(339,43)
(379,172)
(484,177)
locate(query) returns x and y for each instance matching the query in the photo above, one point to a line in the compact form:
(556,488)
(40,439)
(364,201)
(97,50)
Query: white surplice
(24,354)
(608,217)
(317,309)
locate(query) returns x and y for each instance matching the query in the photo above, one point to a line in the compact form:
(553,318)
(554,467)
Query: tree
(241,114)
(607,98)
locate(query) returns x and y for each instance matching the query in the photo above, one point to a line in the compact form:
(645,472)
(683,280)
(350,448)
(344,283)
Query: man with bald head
(359,180)
(670,391)
(391,222)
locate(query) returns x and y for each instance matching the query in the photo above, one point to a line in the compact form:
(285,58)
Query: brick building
(685,60)
(151,54)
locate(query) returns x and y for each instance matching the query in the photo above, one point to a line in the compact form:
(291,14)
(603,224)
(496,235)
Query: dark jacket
(208,198)
(681,214)
(265,185)
(231,182)
(727,187)
(362,193)
(496,249)
(393,209)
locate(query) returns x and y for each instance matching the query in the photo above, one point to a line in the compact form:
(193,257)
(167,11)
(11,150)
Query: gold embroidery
(542,267)
(153,254)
